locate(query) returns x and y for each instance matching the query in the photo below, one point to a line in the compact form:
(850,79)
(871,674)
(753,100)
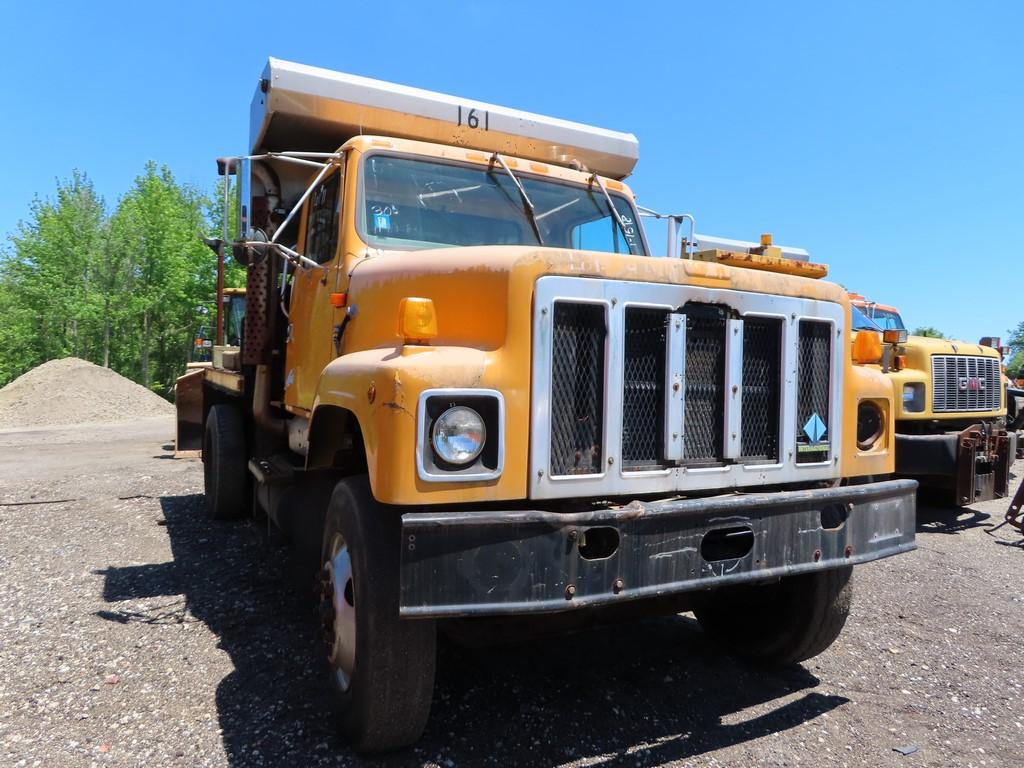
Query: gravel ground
(134,632)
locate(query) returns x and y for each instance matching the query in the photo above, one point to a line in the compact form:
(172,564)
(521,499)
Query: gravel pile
(74,391)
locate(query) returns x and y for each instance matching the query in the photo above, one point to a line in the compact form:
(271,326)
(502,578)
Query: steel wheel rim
(341,652)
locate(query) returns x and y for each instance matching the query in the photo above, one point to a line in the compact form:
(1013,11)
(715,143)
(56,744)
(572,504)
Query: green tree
(927,330)
(1015,365)
(119,289)
(157,232)
(49,279)
(234,273)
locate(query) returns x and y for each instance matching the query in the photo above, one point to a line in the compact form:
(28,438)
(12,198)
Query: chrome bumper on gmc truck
(531,561)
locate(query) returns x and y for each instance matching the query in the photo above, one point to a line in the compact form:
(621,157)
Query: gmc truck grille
(964,383)
(640,388)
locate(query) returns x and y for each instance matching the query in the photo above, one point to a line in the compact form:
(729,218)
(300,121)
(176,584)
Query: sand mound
(73,391)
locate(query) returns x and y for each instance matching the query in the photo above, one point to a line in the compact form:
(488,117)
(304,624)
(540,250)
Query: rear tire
(786,622)
(225,463)
(382,667)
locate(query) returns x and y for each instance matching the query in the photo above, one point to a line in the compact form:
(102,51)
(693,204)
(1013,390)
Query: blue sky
(886,138)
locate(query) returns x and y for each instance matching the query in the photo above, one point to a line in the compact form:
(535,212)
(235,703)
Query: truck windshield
(411,203)
(887,319)
(862,322)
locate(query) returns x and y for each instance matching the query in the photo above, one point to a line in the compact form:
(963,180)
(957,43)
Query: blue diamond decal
(815,428)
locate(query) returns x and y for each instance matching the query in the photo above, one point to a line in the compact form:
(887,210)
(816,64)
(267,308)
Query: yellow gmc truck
(950,401)
(470,391)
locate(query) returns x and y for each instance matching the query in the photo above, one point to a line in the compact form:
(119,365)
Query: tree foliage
(1015,365)
(120,288)
(927,330)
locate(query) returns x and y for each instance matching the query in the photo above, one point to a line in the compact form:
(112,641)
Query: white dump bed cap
(302,108)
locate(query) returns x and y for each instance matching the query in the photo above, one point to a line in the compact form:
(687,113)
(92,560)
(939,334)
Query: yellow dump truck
(950,401)
(471,392)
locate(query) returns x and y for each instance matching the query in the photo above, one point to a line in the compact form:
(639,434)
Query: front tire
(224,463)
(786,622)
(382,667)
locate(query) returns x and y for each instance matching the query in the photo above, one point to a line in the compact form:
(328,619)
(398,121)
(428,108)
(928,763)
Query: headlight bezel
(868,442)
(917,397)
(489,463)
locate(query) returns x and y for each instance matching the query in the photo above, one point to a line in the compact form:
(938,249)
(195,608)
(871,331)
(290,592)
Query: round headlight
(870,424)
(458,435)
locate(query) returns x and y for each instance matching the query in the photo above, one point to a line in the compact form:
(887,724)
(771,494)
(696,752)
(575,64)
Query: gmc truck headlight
(870,424)
(913,398)
(458,435)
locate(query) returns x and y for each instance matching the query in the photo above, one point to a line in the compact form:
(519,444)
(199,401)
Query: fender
(868,383)
(370,397)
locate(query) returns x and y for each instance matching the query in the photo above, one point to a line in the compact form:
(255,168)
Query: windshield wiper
(531,214)
(612,208)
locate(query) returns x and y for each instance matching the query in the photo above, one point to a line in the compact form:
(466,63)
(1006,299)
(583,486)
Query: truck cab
(469,389)
(950,401)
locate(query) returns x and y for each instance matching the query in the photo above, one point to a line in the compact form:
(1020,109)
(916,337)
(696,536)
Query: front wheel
(225,463)
(789,621)
(381,666)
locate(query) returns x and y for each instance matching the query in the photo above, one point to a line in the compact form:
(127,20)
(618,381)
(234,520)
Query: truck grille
(965,383)
(762,386)
(814,352)
(577,392)
(643,388)
(578,371)
(705,382)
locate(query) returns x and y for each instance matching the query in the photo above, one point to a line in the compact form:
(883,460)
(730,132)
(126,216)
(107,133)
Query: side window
(323,221)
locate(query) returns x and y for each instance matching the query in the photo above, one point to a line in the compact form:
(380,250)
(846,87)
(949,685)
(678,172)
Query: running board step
(273,471)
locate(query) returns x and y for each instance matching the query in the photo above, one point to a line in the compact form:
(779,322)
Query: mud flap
(983,464)
(188,404)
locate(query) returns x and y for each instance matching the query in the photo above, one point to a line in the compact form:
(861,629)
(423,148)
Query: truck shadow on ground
(643,693)
(935,514)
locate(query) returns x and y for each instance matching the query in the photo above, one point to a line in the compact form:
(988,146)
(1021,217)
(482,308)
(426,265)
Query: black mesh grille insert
(577,388)
(762,366)
(643,389)
(705,381)
(813,373)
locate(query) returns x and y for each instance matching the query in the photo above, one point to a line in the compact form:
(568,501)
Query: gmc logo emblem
(971,384)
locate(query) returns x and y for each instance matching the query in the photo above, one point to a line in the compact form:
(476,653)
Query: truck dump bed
(302,108)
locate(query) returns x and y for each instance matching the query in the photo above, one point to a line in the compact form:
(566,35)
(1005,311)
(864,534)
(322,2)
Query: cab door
(310,344)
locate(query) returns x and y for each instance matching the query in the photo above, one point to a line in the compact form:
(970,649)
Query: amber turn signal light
(417,322)
(867,347)
(339,300)
(894,336)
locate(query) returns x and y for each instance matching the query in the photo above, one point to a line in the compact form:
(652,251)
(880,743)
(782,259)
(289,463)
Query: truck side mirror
(214,244)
